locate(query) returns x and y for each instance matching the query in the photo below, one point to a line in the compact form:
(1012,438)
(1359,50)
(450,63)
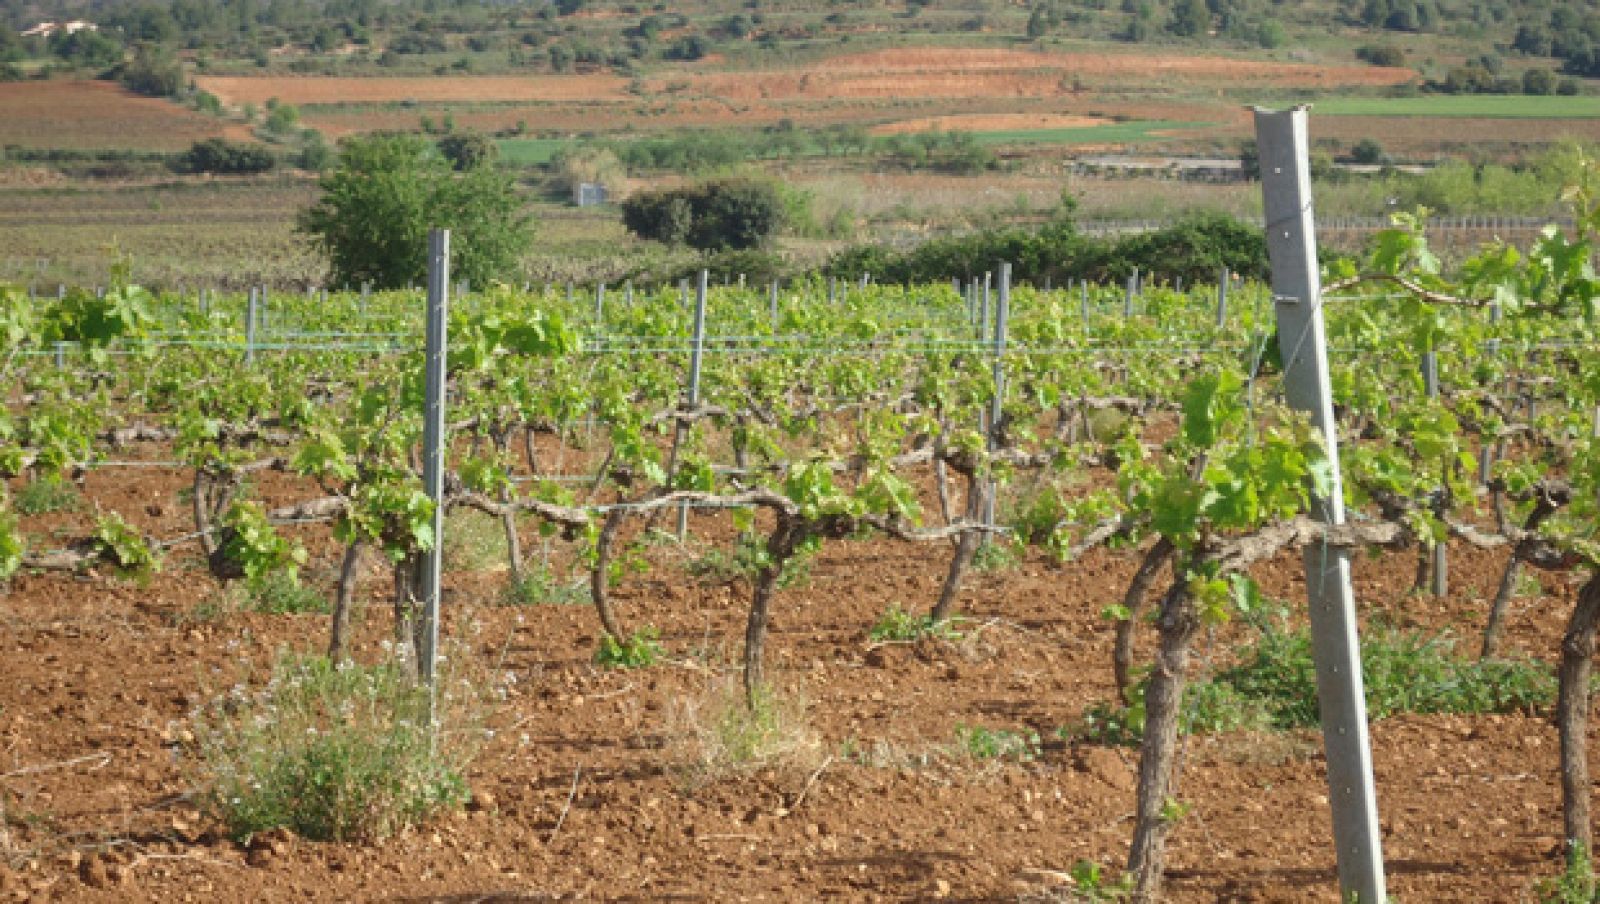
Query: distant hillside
(1465,46)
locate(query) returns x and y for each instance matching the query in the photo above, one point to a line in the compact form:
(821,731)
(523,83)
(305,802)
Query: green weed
(998,744)
(898,625)
(46,496)
(639,650)
(539,586)
(281,593)
(1577,884)
(1275,687)
(999,554)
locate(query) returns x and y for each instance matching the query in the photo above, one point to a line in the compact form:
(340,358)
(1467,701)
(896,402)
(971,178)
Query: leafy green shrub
(152,72)
(946,152)
(1381,54)
(218,155)
(1193,248)
(388,190)
(758,267)
(723,214)
(468,150)
(639,650)
(331,752)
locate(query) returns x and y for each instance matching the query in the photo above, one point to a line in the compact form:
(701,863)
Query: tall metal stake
(433,445)
(250,328)
(1297,294)
(694,377)
(1002,315)
(1441,552)
(1222,298)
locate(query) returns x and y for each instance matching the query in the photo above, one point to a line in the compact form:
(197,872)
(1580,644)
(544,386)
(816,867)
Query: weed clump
(1275,687)
(721,732)
(334,752)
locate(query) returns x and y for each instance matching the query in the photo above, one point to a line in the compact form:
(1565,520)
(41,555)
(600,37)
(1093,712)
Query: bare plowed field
(94,115)
(912,86)
(445,89)
(588,789)
(992,122)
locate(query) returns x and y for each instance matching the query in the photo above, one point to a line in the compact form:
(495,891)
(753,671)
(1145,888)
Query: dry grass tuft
(715,734)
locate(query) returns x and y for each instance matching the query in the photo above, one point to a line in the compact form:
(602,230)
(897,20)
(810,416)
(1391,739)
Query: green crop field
(530,151)
(1138,130)
(1480,106)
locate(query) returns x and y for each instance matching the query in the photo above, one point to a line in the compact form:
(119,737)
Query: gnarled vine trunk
(408,614)
(1134,601)
(1163,701)
(967,547)
(344,598)
(1572,716)
(1549,500)
(600,574)
(786,538)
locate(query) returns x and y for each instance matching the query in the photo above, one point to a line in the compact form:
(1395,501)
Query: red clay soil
(102,673)
(95,114)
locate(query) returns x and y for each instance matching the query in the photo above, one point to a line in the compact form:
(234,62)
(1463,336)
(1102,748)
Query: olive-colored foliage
(389,190)
(219,155)
(1194,249)
(729,213)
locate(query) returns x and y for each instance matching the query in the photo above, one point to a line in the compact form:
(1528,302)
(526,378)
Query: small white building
(589,194)
(46,29)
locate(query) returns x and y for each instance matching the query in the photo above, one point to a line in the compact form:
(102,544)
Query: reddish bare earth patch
(991,122)
(238,90)
(101,674)
(94,114)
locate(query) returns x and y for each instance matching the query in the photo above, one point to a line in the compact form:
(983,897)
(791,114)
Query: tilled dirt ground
(588,789)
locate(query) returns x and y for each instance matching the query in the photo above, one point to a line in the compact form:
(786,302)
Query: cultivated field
(893,89)
(974,762)
(94,115)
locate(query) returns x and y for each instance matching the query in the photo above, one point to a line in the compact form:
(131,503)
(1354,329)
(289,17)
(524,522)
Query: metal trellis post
(1002,313)
(250,327)
(1222,298)
(1297,294)
(433,444)
(695,351)
(1441,554)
